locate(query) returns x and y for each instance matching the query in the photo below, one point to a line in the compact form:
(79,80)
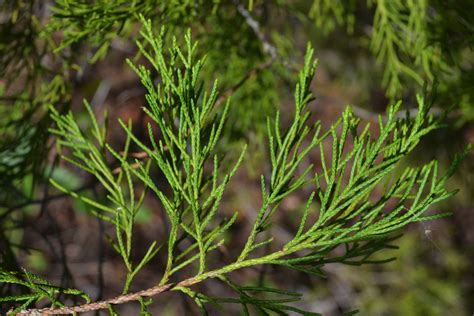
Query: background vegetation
(55,54)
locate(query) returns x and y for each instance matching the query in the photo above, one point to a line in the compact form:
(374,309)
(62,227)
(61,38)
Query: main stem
(153,291)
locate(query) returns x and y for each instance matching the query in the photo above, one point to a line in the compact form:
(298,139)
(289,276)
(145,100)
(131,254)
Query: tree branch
(156,290)
(268,48)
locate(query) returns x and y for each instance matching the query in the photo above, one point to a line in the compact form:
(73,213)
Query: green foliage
(358,197)
(330,14)
(24,95)
(349,213)
(39,290)
(100,22)
(410,39)
(405,285)
(248,296)
(400,40)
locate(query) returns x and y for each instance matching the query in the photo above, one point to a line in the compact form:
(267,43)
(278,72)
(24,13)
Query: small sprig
(38,289)
(122,202)
(361,198)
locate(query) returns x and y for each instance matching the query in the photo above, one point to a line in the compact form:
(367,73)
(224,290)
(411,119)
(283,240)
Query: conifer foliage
(361,196)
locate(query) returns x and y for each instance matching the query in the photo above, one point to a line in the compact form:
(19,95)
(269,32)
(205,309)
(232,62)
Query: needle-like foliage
(361,196)
(408,38)
(40,290)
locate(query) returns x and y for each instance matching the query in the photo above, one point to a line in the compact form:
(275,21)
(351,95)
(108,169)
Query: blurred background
(370,54)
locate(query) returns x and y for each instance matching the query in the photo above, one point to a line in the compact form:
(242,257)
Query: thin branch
(101,254)
(156,290)
(153,291)
(268,48)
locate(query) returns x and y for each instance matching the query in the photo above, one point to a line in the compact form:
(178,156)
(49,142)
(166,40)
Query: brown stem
(114,301)
(153,290)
